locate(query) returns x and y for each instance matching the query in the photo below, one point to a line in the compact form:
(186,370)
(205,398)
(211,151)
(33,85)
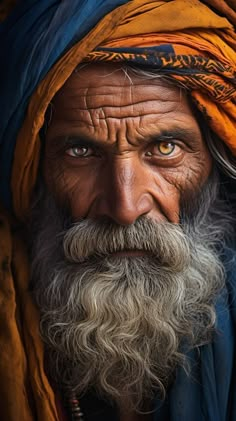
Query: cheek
(72,188)
(184,181)
(195,174)
(81,192)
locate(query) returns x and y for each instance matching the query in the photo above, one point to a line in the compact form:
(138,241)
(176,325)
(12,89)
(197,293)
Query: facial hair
(119,324)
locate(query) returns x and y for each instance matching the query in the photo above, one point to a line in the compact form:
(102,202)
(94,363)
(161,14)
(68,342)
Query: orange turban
(203,59)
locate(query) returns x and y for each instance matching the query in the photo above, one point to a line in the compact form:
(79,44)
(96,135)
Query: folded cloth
(202,62)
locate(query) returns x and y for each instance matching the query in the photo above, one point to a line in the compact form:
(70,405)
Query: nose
(124,195)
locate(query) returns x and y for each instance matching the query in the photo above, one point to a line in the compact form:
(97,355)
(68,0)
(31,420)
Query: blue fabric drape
(209,394)
(32,39)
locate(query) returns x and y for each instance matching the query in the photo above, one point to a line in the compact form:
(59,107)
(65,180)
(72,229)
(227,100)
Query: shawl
(47,39)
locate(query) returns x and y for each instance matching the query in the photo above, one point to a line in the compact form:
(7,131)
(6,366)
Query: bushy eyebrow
(187,135)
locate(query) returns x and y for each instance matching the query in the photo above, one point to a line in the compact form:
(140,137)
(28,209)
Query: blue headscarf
(32,39)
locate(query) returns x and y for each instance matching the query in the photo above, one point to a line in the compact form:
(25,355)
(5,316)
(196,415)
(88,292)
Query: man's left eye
(80,151)
(164,148)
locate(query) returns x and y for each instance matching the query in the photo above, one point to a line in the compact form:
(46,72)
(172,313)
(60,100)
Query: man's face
(123,286)
(122,149)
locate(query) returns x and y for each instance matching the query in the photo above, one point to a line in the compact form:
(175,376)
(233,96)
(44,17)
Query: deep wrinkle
(121,173)
(186,135)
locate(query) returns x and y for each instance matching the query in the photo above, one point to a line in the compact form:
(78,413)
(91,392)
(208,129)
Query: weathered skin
(123,149)
(114,167)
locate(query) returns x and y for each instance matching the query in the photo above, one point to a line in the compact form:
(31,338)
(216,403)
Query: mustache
(99,239)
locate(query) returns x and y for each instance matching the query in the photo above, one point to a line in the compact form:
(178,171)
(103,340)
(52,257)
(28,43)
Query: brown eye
(166,148)
(79,151)
(163,148)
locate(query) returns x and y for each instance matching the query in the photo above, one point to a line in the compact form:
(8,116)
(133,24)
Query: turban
(42,42)
(184,39)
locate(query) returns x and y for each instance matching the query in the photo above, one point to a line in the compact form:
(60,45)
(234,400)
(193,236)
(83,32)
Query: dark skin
(123,150)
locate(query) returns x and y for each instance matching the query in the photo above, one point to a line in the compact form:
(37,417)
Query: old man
(118,220)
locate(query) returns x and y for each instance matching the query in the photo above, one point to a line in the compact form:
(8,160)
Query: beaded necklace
(71,402)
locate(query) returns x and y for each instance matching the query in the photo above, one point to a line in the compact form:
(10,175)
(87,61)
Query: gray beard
(119,324)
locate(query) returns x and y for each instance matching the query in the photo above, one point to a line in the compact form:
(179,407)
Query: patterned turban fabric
(42,42)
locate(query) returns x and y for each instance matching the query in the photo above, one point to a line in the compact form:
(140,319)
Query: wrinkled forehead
(112,77)
(119,94)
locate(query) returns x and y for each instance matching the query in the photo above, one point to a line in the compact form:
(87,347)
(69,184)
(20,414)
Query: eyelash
(95,151)
(81,146)
(165,143)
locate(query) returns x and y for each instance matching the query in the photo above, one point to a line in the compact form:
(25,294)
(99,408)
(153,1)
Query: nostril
(127,210)
(145,204)
(125,196)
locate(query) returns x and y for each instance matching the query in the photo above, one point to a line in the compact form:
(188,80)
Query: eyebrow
(188,135)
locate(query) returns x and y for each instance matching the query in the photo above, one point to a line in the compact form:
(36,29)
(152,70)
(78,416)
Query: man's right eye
(80,151)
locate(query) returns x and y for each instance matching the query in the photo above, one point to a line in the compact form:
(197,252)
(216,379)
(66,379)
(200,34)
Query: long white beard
(118,324)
